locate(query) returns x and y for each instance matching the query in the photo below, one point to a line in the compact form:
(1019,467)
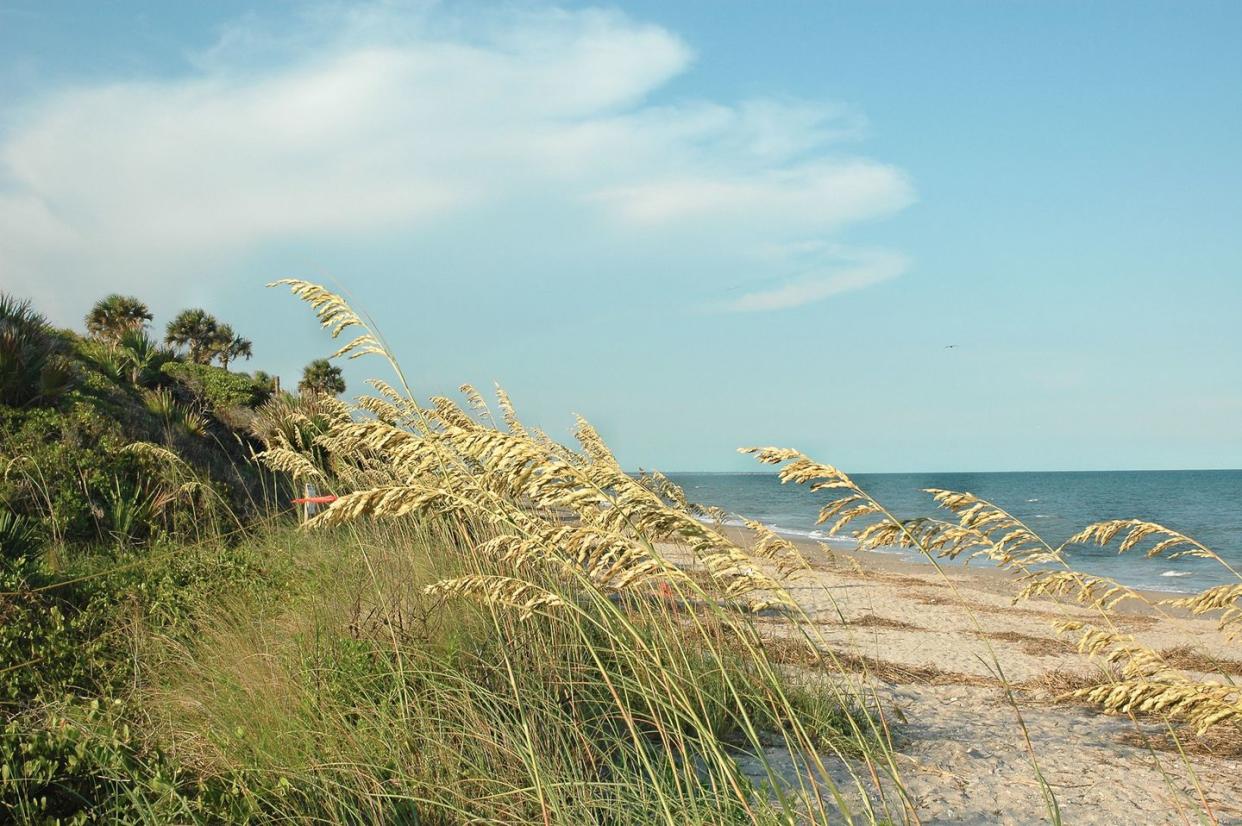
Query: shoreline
(992,579)
(903,559)
(960,663)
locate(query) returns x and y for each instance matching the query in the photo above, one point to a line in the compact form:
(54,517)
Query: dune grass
(488,626)
(368,697)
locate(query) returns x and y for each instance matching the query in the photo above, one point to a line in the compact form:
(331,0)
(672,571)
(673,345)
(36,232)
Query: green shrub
(73,474)
(18,536)
(70,751)
(133,359)
(220,389)
(59,463)
(33,367)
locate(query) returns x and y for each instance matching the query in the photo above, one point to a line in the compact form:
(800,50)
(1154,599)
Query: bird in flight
(950,347)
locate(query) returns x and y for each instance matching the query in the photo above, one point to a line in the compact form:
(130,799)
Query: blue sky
(700,225)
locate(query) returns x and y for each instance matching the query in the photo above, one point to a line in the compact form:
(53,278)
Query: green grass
(306,677)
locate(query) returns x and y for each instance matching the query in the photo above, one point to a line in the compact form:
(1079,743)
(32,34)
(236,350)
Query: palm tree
(228,346)
(320,376)
(116,315)
(267,381)
(141,357)
(33,367)
(196,330)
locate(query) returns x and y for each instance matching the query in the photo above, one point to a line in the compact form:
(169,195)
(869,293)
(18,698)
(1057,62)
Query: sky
(898,236)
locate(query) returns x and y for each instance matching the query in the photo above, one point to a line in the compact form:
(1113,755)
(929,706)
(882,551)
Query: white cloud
(855,271)
(821,195)
(376,121)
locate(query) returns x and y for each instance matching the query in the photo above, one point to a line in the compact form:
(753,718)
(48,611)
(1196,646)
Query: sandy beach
(935,646)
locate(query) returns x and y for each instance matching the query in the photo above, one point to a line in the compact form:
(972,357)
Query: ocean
(1204,504)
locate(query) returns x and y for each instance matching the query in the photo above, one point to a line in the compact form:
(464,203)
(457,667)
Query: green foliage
(73,473)
(132,359)
(18,536)
(321,376)
(103,481)
(116,316)
(142,358)
(33,367)
(265,380)
(56,464)
(64,465)
(197,331)
(105,359)
(228,346)
(130,510)
(69,745)
(206,338)
(217,387)
(174,416)
(66,764)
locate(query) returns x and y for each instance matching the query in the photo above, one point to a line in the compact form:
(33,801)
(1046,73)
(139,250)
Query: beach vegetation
(322,376)
(115,316)
(487,625)
(195,330)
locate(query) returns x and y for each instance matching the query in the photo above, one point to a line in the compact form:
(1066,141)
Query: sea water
(1204,504)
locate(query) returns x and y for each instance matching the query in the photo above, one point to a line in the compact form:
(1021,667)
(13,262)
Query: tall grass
(385,689)
(489,626)
(530,654)
(545,534)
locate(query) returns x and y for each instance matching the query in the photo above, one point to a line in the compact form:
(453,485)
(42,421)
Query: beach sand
(933,643)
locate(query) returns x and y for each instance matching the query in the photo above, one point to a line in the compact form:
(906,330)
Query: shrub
(220,389)
(18,536)
(70,748)
(33,368)
(58,463)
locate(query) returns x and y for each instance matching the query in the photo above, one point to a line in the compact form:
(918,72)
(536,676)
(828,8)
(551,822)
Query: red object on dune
(314,500)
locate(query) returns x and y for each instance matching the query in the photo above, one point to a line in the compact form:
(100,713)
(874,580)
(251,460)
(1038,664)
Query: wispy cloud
(376,122)
(853,271)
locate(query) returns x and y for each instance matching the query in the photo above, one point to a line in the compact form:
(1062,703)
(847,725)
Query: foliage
(174,416)
(133,359)
(486,626)
(197,331)
(70,744)
(265,380)
(76,475)
(66,467)
(33,367)
(218,388)
(206,338)
(115,316)
(228,346)
(18,536)
(321,376)
(142,358)
(56,464)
